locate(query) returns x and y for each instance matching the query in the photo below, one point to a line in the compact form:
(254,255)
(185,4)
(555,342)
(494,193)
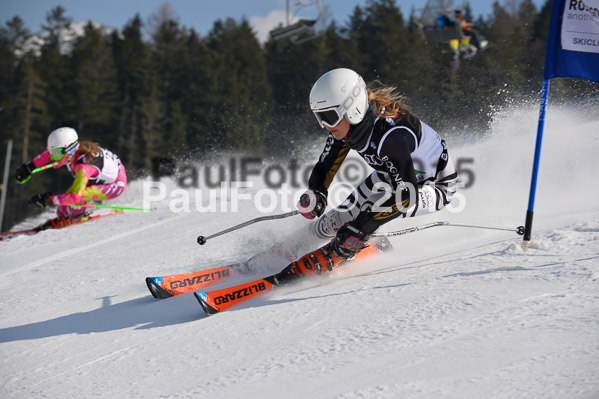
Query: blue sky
(199,14)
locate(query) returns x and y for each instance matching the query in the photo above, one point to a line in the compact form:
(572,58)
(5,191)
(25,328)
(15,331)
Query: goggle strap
(66,150)
(71,146)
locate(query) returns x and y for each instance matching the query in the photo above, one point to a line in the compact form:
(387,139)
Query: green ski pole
(44,167)
(109,207)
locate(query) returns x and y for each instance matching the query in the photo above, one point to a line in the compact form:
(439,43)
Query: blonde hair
(391,104)
(89,149)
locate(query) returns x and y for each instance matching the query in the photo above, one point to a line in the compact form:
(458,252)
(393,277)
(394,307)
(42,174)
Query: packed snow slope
(450,313)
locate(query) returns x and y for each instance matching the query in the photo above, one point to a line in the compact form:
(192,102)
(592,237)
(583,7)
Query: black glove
(349,241)
(41,200)
(23,172)
(312,204)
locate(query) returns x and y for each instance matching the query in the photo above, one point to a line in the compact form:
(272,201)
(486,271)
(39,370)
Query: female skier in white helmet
(99,174)
(413,174)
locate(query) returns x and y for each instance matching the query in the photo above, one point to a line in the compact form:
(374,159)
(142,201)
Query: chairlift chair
(447,34)
(442,34)
(300,31)
(452,35)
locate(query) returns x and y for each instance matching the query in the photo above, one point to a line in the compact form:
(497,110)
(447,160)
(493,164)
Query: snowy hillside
(450,313)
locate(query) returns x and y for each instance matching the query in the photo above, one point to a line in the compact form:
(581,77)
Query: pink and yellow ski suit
(100,179)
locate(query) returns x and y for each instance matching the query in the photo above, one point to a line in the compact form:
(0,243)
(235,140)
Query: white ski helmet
(338,93)
(62,144)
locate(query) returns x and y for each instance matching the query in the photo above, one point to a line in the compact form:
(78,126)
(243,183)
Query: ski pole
(108,206)
(43,167)
(202,240)
(518,230)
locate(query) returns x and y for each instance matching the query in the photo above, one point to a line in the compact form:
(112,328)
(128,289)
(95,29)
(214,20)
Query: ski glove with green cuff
(23,172)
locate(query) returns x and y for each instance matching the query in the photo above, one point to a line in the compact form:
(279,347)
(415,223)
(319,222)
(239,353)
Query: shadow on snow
(141,313)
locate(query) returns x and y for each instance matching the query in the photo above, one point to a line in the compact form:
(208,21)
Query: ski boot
(349,244)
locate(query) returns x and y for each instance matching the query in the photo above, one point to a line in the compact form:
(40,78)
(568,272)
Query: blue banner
(573,41)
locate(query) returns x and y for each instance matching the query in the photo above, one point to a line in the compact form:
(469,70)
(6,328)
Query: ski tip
(155,286)
(203,300)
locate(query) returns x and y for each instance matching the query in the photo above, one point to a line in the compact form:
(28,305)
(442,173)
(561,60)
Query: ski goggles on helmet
(58,153)
(333,116)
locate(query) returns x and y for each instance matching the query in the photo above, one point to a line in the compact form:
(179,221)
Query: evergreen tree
(200,65)
(419,68)
(55,72)
(152,124)
(507,37)
(241,88)
(168,46)
(382,41)
(29,109)
(132,61)
(11,37)
(11,80)
(94,87)
(358,43)
(337,50)
(292,69)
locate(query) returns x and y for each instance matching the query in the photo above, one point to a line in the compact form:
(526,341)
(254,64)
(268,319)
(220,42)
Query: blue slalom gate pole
(535,167)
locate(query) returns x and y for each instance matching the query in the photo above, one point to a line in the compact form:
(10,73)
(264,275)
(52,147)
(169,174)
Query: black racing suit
(407,156)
